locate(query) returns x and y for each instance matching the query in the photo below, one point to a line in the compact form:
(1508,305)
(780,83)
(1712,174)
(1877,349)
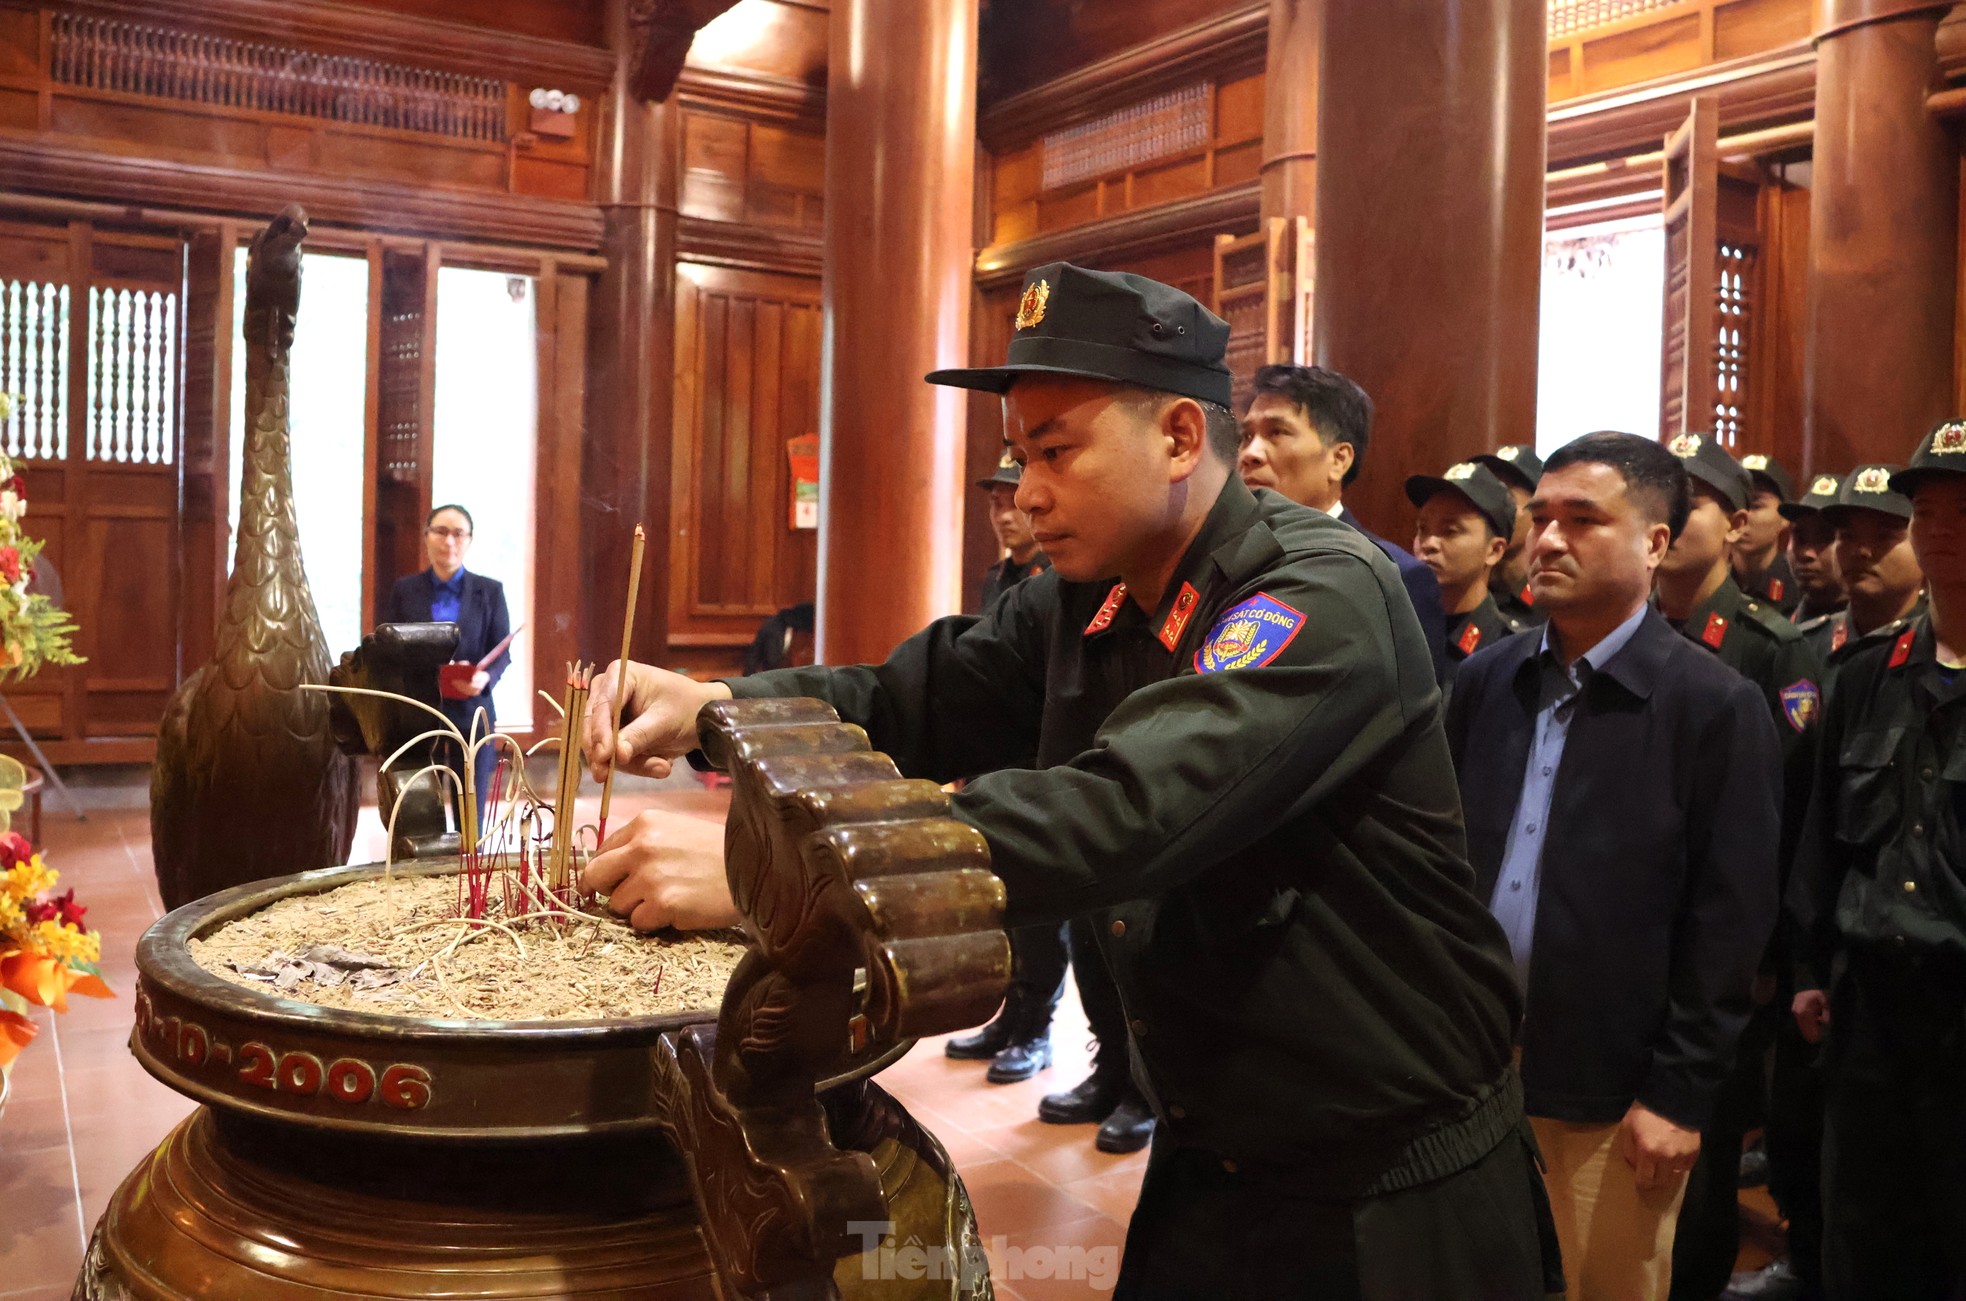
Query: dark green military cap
(1479,484)
(1709,462)
(1109,325)
(1768,473)
(1869,487)
(1517,463)
(1942,452)
(1008,471)
(1821,496)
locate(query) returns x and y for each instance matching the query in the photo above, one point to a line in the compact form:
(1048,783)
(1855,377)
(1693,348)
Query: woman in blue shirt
(446,592)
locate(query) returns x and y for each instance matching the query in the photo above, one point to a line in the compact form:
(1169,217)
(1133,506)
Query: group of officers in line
(1454,915)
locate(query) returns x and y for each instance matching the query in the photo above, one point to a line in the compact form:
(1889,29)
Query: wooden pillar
(1290,81)
(625,457)
(900,156)
(1883,237)
(1430,229)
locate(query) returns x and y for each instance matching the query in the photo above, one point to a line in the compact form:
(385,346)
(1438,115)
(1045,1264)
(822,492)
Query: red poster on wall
(803,452)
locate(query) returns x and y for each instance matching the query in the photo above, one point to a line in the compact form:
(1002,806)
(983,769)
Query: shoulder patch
(1249,635)
(1177,618)
(1801,702)
(1716,630)
(1104,619)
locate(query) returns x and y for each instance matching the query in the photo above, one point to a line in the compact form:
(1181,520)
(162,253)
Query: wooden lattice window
(159,61)
(34,367)
(1568,17)
(401,385)
(1733,314)
(133,376)
(1168,124)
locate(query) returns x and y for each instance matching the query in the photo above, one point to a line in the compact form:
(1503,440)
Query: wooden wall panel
(1026,43)
(565,20)
(755,173)
(747,380)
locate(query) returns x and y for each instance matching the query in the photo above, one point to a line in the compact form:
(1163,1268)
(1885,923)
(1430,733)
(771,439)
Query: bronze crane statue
(249,782)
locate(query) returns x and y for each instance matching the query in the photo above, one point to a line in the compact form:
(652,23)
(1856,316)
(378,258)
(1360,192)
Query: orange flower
(16,1032)
(44,981)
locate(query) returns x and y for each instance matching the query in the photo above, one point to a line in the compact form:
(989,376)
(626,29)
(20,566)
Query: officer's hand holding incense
(664,869)
(658,719)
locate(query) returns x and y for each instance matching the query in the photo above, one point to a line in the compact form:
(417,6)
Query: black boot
(1777,1282)
(1023,1057)
(985,1043)
(1129,1128)
(1092,1101)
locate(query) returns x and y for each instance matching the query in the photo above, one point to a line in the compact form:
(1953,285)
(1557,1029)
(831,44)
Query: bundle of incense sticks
(559,857)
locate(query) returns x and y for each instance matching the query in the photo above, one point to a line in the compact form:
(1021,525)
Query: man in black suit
(1622,789)
(448,593)
(1305,435)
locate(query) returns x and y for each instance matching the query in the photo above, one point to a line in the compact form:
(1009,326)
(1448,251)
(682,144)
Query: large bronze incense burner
(741,1151)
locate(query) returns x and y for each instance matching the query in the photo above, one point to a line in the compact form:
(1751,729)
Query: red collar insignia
(1177,618)
(1104,619)
(1841,635)
(1528,596)
(1469,639)
(1716,630)
(1902,651)
(1775,589)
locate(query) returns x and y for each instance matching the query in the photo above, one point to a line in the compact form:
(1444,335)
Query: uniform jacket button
(1228,1166)
(1138,1027)
(1119,929)
(1177,1112)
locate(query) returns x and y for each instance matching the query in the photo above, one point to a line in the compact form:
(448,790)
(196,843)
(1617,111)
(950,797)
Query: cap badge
(1824,486)
(1465,470)
(1507,453)
(1031,310)
(1950,440)
(1875,479)
(1684,446)
(1008,462)
(1756,462)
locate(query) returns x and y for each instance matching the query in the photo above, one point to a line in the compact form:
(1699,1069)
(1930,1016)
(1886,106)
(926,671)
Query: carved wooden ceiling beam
(660,33)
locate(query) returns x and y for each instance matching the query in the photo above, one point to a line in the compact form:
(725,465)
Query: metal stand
(47,769)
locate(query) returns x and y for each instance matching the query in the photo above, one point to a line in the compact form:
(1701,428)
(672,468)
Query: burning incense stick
(621,677)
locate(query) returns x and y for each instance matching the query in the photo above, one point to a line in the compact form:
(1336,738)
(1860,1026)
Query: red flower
(18,486)
(15,849)
(10,564)
(60,908)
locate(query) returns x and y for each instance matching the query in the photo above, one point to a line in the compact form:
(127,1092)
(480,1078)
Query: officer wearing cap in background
(1761,564)
(1517,466)
(1465,523)
(1812,555)
(1879,907)
(1214,722)
(1880,571)
(1696,592)
(1022,557)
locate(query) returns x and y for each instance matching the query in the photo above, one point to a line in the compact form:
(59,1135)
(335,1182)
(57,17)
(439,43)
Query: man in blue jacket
(1622,789)
(1305,435)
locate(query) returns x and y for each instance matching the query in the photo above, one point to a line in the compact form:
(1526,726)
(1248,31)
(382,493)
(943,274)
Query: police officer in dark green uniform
(1466,521)
(1812,556)
(1022,556)
(1761,565)
(1880,571)
(1215,722)
(1879,904)
(1697,593)
(1517,466)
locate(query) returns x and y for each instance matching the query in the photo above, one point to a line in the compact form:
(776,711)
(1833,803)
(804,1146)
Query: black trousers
(1894,1155)
(1707,1238)
(1795,1151)
(1038,957)
(1200,1233)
